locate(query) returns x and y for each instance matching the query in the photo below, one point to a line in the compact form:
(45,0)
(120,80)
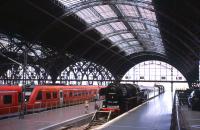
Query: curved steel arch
(68,12)
(125,19)
(89,3)
(155,64)
(129,40)
(137,57)
(85,72)
(125,31)
(166,66)
(34,74)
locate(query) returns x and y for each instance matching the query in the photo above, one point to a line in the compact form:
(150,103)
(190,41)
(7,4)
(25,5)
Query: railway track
(98,118)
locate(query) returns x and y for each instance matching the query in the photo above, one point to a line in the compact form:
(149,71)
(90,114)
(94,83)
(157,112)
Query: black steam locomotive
(122,96)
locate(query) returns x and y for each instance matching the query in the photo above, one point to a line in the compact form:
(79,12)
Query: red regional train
(41,96)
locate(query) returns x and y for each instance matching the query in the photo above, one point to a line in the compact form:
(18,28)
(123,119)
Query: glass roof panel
(105,11)
(156,39)
(123,45)
(148,0)
(146,4)
(127,35)
(104,29)
(126,45)
(143,35)
(133,50)
(143,23)
(118,26)
(134,43)
(69,3)
(88,15)
(153,29)
(130,51)
(128,10)
(147,14)
(115,38)
(137,26)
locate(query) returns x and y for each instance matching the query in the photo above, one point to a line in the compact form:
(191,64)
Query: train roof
(10,88)
(8,91)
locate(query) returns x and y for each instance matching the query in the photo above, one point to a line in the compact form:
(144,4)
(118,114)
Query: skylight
(128,10)
(124,45)
(104,29)
(134,43)
(127,35)
(153,29)
(118,26)
(119,23)
(105,11)
(88,15)
(146,36)
(147,14)
(69,3)
(137,26)
(115,38)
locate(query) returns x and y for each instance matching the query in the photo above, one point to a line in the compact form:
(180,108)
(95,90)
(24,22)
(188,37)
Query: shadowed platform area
(153,115)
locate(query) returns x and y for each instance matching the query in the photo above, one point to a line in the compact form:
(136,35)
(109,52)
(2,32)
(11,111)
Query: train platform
(43,120)
(152,115)
(191,119)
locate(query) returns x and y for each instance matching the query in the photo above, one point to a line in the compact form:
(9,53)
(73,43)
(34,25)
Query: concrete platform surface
(152,115)
(44,119)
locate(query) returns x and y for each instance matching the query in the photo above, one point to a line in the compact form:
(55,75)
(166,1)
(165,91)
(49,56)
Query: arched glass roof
(119,21)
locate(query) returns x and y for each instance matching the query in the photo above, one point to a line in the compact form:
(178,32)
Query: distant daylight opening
(151,73)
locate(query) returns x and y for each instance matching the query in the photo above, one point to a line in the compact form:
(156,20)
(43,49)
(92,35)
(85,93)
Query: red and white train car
(10,96)
(44,96)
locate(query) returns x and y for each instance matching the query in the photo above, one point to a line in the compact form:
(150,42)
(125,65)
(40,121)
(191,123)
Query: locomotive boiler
(121,96)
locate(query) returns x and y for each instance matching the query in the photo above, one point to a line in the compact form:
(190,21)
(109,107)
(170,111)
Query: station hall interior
(100,65)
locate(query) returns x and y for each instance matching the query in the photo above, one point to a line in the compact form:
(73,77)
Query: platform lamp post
(23,102)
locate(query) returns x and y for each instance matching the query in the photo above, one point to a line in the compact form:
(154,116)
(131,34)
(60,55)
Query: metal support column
(172,79)
(23,102)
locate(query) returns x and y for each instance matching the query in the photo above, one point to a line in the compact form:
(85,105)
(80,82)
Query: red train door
(61,97)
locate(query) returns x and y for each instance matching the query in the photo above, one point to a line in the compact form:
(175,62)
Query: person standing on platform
(86,106)
(96,106)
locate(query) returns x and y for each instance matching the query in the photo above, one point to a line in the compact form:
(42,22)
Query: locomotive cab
(111,101)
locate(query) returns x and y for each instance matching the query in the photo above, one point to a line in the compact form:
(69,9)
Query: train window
(70,94)
(75,94)
(54,94)
(19,97)
(39,96)
(48,95)
(7,99)
(61,94)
